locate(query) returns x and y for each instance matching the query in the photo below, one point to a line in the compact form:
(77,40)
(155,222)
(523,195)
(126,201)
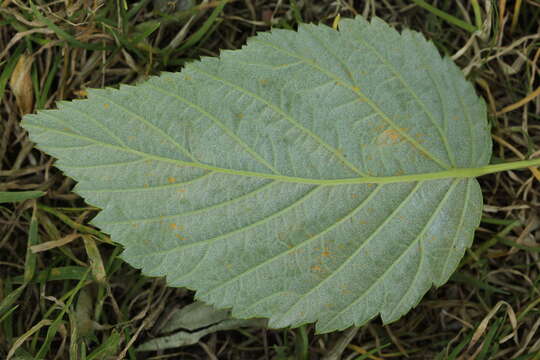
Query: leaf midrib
(445,174)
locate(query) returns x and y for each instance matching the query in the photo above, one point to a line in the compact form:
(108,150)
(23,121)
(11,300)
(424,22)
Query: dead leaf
(21,84)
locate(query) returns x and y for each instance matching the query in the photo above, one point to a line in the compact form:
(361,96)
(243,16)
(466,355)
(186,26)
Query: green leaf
(313,176)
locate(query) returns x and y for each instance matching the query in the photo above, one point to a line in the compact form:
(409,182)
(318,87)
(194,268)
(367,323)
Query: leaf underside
(220,177)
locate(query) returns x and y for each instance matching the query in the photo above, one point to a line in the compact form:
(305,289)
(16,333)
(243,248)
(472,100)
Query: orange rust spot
(181,190)
(326,253)
(106,106)
(316,268)
(455,118)
(135,225)
(171,180)
(173,226)
(371,185)
(390,137)
(354,196)
(363,222)
(240,116)
(180,237)
(55,272)
(263,82)
(146,185)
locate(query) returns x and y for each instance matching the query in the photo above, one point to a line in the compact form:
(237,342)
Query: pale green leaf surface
(240,177)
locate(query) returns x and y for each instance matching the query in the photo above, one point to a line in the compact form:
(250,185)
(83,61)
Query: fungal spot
(180,237)
(356,89)
(263,82)
(55,272)
(240,116)
(316,268)
(106,106)
(135,225)
(363,222)
(326,253)
(181,190)
(455,118)
(354,196)
(172,226)
(399,172)
(146,185)
(390,137)
(171,180)
(187,77)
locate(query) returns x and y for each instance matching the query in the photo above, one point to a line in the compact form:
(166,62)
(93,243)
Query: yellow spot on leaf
(264,82)
(363,222)
(390,137)
(171,180)
(316,268)
(106,106)
(146,185)
(187,77)
(172,226)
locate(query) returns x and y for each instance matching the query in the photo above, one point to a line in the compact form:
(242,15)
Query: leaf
(192,323)
(312,176)
(21,84)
